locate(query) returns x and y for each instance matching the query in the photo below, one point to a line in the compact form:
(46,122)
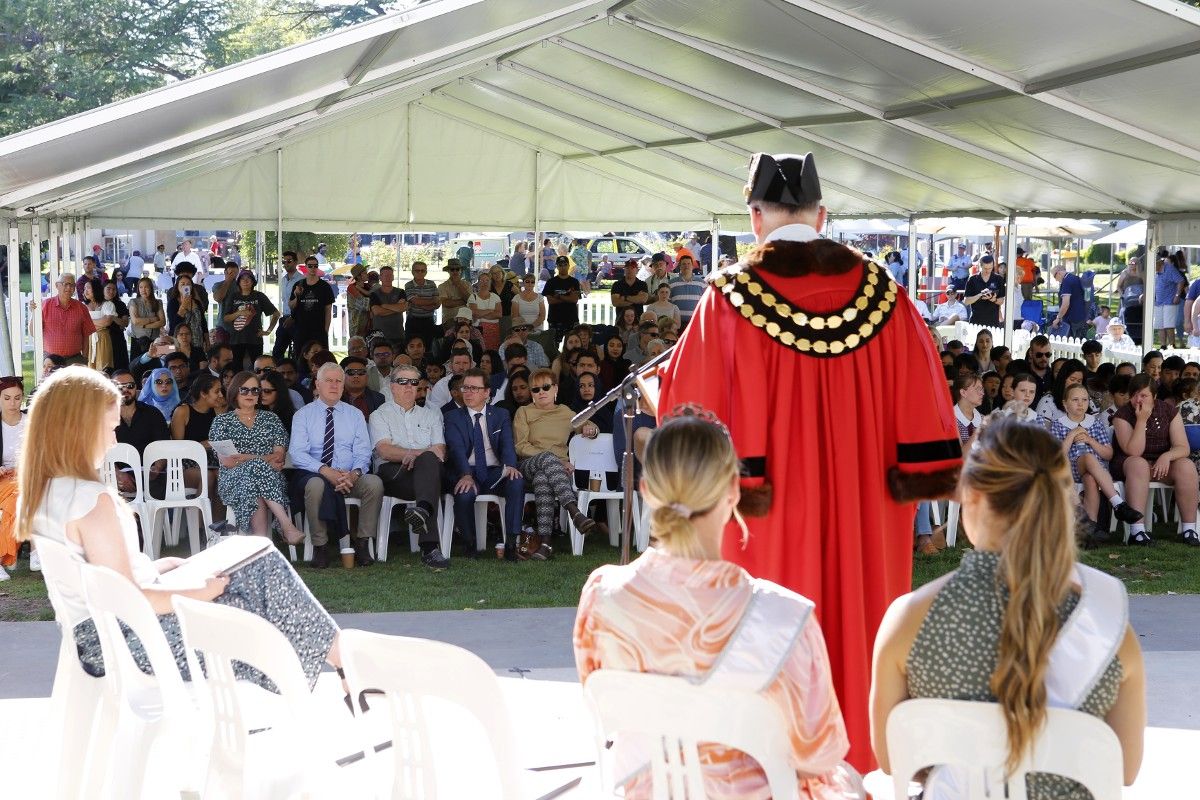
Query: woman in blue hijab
(161,392)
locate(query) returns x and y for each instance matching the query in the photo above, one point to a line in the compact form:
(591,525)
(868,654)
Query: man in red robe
(837,403)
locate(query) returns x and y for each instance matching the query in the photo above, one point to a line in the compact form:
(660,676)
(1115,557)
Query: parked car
(619,249)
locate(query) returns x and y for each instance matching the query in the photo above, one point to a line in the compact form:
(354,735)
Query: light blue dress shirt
(351,439)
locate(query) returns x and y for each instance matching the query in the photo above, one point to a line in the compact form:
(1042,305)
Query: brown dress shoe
(939,537)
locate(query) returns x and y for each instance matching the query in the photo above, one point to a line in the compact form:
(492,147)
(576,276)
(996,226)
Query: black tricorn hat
(785,178)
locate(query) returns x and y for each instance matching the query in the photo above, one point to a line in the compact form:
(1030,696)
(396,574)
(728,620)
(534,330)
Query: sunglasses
(163,381)
(248,391)
(406,381)
(125,386)
(355,373)
(543,388)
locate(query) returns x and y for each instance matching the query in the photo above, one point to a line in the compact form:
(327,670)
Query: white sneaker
(4,574)
(35,562)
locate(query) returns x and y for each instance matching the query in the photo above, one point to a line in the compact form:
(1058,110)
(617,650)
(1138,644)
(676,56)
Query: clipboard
(649,385)
(224,557)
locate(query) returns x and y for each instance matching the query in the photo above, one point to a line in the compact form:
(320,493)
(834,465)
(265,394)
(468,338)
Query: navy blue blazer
(458,437)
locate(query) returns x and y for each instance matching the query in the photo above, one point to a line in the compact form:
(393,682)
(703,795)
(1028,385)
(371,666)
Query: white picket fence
(1060,346)
(593,310)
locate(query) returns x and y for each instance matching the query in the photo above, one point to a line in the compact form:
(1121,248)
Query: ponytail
(1024,474)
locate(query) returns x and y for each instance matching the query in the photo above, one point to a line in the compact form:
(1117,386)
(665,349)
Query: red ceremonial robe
(835,449)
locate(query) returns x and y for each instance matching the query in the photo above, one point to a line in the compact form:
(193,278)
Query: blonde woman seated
(72,419)
(680,610)
(1019,623)
(540,433)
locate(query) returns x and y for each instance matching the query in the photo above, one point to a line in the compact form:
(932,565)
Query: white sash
(1088,639)
(750,660)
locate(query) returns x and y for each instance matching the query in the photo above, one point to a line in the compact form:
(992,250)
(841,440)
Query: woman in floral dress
(250,483)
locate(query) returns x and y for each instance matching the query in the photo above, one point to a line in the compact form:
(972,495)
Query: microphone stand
(629,392)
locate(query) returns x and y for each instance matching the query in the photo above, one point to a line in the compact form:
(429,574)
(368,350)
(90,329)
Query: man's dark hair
(476,372)
(176,356)
(770,207)
(646,326)
(1119,384)
(953,344)
(1174,363)
(214,352)
(381,342)
(999,351)
(1040,340)
(348,360)
(281,361)
(461,350)
(455,382)
(290,254)
(588,354)
(1092,346)
(968,362)
(117,372)
(515,350)
(1017,365)
(1129,364)
(1149,356)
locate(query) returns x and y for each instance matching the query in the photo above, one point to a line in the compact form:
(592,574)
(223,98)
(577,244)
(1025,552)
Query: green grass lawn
(403,584)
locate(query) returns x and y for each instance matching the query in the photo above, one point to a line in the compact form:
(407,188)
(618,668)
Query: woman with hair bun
(679,609)
(1019,623)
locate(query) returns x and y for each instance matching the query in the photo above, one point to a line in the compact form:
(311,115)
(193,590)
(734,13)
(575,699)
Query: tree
(301,242)
(60,57)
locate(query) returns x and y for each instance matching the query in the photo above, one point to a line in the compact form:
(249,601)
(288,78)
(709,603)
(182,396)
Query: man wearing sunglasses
(357,393)
(483,460)
(287,285)
(832,463)
(409,450)
(1038,357)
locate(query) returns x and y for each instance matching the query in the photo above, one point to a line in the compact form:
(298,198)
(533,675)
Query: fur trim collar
(793,259)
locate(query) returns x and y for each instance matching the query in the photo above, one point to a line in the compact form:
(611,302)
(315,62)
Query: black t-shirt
(561,314)
(390,325)
(623,289)
(258,303)
(309,314)
(984,311)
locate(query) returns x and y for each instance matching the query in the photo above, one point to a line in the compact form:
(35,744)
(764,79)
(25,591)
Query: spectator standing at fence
(358,302)
(581,265)
(466,259)
(528,304)
(1072,307)
(388,304)
(146,316)
(454,291)
(135,267)
(243,312)
(424,299)
(311,303)
(187,255)
(91,272)
(287,284)
(562,293)
(1169,287)
(985,294)
(960,267)
(187,306)
(1026,273)
(686,291)
(116,331)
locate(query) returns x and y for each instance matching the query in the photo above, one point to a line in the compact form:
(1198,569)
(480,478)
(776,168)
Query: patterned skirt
(267,587)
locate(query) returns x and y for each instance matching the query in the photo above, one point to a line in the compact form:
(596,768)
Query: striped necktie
(327,445)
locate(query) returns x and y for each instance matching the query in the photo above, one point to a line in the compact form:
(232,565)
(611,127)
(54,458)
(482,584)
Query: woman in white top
(485,310)
(662,305)
(528,304)
(103,314)
(12,432)
(72,418)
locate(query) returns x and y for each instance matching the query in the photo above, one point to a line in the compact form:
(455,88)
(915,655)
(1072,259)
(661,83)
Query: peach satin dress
(674,616)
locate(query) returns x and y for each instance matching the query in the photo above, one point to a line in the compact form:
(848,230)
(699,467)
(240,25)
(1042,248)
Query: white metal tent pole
(15,335)
(1149,267)
(279,205)
(714,255)
(77,262)
(911,255)
(55,243)
(35,286)
(1012,287)
(533,261)
(260,252)
(912,271)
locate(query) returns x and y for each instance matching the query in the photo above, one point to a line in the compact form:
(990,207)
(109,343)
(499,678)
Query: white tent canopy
(553,115)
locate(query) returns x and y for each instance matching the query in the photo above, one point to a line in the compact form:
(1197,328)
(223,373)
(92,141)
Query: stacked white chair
(481,511)
(673,716)
(148,708)
(177,496)
(409,672)
(127,455)
(971,737)
(596,457)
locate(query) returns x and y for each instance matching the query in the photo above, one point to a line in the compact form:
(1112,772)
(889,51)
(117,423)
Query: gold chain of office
(819,335)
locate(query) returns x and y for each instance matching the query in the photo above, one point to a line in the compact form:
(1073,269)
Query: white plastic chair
(1163,491)
(78,702)
(595,456)
(301,521)
(177,495)
(148,708)
(481,504)
(953,509)
(408,671)
(128,455)
(971,737)
(280,762)
(674,715)
(385,525)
